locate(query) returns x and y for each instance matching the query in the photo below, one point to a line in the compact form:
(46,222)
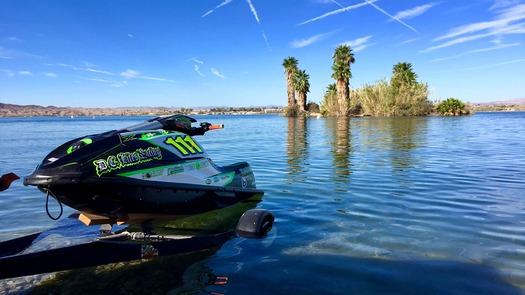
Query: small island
(401,95)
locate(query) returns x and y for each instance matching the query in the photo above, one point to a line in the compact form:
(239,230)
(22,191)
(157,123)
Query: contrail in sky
(226,2)
(253,11)
(252,8)
(391,16)
(384,12)
(337,11)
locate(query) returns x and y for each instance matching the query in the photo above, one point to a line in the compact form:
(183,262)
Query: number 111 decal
(185,145)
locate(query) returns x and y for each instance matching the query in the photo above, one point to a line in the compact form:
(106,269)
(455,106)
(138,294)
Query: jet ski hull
(116,198)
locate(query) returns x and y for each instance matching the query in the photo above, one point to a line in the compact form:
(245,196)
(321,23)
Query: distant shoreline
(12,110)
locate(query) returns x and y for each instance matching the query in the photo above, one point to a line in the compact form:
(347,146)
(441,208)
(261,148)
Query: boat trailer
(16,258)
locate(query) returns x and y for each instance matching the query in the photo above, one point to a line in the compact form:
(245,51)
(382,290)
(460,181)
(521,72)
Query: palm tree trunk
(290,90)
(301,100)
(342,94)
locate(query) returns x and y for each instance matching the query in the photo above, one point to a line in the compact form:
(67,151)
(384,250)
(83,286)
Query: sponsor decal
(175,170)
(197,165)
(126,159)
(221,179)
(154,173)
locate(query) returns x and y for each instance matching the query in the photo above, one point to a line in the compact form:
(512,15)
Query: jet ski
(154,174)
(149,169)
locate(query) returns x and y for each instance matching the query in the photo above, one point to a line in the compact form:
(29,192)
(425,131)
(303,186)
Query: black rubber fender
(255,223)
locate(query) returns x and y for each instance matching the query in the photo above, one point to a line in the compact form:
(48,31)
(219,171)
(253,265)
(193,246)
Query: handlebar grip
(218,126)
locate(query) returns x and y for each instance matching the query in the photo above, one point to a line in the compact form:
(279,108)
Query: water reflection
(340,149)
(394,140)
(406,135)
(297,149)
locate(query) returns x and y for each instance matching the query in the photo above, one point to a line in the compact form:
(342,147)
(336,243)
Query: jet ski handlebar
(179,123)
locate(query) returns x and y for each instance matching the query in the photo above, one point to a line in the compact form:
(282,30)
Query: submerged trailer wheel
(255,223)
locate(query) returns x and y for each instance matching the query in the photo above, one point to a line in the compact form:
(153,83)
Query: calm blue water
(432,205)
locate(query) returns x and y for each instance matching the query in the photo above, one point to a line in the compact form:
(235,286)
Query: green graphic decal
(79,144)
(125,159)
(184,144)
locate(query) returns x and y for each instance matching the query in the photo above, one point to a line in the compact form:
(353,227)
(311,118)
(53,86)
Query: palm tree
(403,74)
(302,86)
(290,67)
(343,57)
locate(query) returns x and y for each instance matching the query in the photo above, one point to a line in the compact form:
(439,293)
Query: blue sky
(189,53)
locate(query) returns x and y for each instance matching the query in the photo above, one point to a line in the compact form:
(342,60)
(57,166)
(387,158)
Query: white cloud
(358,44)
(197,60)
(216,73)
(498,4)
(131,36)
(413,12)
(50,75)
(6,53)
(14,39)
(309,41)
(494,65)
(98,71)
(498,46)
(196,68)
(508,21)
(88,68)
(7,72)
(108,82)
(132,74)
(408,41)
(501,21)
(11,73)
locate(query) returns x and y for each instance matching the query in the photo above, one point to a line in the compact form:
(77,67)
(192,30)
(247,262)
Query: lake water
(425,205)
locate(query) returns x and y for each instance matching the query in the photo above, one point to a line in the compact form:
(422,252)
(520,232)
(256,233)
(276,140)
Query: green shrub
(312,107)
(452,107)
(385,99)
(291,111)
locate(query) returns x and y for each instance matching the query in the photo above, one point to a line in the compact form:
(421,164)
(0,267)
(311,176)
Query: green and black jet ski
(155,167)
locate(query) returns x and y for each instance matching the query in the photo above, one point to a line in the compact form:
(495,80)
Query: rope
(47,205)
